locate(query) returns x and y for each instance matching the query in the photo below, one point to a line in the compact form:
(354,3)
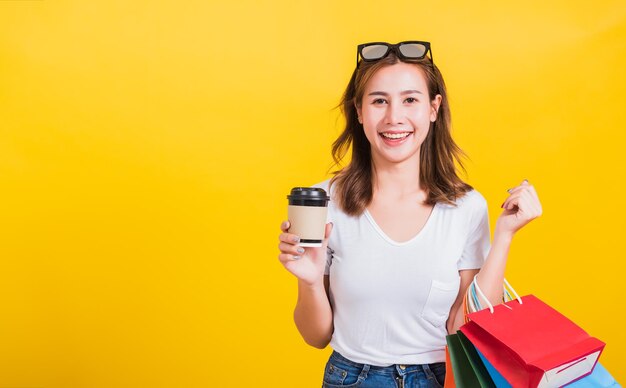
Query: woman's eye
(411,100)
(378,101)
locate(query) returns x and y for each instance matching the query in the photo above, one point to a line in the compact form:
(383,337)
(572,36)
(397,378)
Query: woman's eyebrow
(377,93)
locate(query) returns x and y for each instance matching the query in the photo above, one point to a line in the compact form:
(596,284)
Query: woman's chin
(398,157)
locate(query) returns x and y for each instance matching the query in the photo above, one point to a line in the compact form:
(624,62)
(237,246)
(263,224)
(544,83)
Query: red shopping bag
(531,344)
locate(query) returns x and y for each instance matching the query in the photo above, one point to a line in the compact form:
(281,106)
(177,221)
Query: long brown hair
(438,152)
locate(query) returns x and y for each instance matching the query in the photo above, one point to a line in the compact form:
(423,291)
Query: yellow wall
(146,149)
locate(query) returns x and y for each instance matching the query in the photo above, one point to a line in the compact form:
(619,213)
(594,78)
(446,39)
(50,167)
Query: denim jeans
(341,372)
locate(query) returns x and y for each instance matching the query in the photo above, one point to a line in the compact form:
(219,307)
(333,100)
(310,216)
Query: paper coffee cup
(308,207)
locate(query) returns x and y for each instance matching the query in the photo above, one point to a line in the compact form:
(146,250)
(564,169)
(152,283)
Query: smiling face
(396,112)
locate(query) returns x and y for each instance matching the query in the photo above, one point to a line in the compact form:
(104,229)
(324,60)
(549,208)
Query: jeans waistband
(404,367)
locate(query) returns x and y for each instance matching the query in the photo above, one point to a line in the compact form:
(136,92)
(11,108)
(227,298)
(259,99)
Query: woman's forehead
(397,78)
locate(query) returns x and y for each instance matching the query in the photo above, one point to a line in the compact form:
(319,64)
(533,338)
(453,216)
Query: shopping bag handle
(507,295)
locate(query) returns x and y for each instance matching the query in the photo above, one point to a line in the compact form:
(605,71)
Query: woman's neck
(397,180)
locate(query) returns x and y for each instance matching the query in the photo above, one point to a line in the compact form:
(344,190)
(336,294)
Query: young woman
(406,235)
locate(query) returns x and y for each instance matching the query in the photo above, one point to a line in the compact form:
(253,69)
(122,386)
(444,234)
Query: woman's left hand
(521,207)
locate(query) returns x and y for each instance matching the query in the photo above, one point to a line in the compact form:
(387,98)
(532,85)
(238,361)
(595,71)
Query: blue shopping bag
(495,375)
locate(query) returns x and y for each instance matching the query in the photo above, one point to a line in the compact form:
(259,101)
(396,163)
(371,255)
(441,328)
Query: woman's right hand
(306,263)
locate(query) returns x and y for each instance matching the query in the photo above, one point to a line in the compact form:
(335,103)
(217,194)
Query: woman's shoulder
(334,214)
(475,197)
(324,185)
(330,191)
(472,199)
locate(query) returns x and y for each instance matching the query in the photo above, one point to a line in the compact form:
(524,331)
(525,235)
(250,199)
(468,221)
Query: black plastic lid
(309,194)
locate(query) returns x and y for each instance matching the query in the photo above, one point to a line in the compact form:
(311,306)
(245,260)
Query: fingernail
(509,190)
(295,239)
(526,180)
(300,250)
(296,257)
(502,206)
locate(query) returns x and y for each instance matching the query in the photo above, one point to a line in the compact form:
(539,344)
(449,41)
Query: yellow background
(146,149)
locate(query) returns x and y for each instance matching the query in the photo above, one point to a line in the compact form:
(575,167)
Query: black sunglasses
(410,49)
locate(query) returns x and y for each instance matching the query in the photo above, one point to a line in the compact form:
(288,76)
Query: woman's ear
(434,107)
(358,112)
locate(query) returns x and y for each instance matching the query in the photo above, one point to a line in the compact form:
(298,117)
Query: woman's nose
(394,114)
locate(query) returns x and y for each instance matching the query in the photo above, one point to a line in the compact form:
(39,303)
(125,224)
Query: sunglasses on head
(411,49)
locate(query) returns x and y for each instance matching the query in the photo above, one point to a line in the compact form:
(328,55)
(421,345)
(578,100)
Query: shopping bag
(464,376)
(449,380)
(486,375)
(472,304)
(497,378)
(462,362)
(478,367)
(531,344)
(599,378)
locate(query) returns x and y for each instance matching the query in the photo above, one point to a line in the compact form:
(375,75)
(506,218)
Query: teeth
(395,135)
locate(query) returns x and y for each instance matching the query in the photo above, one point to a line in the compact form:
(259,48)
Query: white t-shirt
(391,300)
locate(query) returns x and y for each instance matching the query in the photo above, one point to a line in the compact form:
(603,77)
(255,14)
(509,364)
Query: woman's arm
(456,318)
(490,279)
(313,314)
(491,276)
(521,207)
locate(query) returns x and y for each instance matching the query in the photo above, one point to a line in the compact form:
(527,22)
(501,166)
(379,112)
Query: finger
(535,199)
(514,189)
(533,205)
(525,205)
(289,238)
(516,192)
(512,203)
(290,249)
(538,205)
(528,208)
(511,197)
(328,230)
(532,189)
(285,226)
(513,200)
(286,258)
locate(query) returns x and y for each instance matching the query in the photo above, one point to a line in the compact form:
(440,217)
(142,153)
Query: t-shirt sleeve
(329,260)
(479,240)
